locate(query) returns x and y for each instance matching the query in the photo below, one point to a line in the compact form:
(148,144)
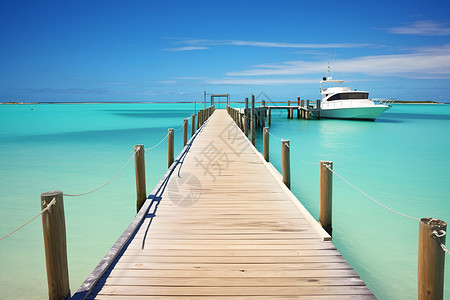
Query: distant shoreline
(179,102)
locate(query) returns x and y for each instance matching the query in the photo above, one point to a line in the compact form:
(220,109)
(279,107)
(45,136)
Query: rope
(179,128)
(388,208)
(274,135)
(445,249)
(158,143)
(96,189)
(28,222)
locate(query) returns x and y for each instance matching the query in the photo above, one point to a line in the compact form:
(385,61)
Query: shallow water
(400,160)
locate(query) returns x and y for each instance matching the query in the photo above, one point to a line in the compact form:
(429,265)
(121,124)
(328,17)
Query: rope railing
(377,202)
(96,189)
(157,144)
(179,128)
(274,135)
(31,220)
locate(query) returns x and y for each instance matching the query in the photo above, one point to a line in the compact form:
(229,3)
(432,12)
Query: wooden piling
(246,125)
(286,163)
(198,119)
(307,110)
(263,117)
(252,120)
(431,259)
(192,125)
(288,110)
(185,130)
(170,148)
(139,168)
(266,143)
(269,116)
(240,120)
(326,193)
(318,108)
(54,230)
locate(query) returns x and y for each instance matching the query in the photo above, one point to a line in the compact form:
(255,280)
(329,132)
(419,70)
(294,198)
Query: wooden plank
(237,273)
(232,282)
(254,242)
(300,297)
(232,253)
(234,291)
(245,237)
(230,260)
(212,247)
(200,267)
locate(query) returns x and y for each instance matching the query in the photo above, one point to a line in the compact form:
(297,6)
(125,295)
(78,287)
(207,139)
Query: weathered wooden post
(286,163)
(307,110)
(239,115)
(263,103)
(318,108)
(263,117)
(139,169)
(430,279)
(246,114)
(245,125)
(192,125)
(170,147)
(185,130)
(269,122)
(266,143)
(252,120)
(54,230)
(288,104)
(326,196)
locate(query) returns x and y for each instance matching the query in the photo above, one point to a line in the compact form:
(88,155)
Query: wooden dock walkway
(225,226)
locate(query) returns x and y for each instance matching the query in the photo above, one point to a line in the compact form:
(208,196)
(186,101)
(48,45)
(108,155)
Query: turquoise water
(401,160)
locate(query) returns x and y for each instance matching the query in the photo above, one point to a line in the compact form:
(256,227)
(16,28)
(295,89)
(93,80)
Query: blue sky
(175,50)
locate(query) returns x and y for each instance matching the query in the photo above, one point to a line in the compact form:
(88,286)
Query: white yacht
(339,102)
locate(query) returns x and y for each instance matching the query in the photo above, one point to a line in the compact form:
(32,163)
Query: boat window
(349,96)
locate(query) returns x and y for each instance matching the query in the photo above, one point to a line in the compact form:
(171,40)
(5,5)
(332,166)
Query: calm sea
(400,160)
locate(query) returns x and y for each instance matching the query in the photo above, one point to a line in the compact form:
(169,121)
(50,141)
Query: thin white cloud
(166,82)
(190,78)
(200,42)
(260,81)
(187,48)
(427,28)
(429,62)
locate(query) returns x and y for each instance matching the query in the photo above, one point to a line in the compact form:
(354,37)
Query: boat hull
(354,113)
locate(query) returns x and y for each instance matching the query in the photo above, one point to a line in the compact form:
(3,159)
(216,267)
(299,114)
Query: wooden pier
(222,224)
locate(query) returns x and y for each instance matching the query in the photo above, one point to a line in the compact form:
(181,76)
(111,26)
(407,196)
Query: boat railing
(381,101)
